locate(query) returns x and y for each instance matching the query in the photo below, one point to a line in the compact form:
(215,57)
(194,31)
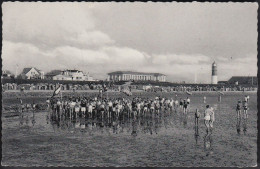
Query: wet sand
(167,142)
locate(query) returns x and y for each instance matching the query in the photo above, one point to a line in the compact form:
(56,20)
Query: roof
(53,73)
(135,73)
(74,70)
(7,72)
(62,76)
(26,70)
(243,79)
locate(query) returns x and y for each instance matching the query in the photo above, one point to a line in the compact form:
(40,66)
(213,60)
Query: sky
(180,40)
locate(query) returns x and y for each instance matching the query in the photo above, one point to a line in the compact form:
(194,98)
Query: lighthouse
(214,77)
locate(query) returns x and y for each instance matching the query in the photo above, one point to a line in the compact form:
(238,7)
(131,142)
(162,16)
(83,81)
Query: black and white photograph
(129,84)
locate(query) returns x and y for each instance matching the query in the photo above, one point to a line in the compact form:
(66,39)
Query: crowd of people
(120,108)
(123,108)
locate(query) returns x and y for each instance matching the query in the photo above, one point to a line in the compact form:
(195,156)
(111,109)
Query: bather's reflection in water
(134,127)
(245,125)
(238,126)
(123,124)
(196,135)
(185,120)
(208,141)
(33,119)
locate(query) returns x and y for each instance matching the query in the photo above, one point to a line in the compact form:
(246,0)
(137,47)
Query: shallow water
(167,140)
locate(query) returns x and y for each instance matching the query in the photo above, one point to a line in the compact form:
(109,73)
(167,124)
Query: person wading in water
(209,118)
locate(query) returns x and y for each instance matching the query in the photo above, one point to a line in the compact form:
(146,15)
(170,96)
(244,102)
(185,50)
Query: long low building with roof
(136,76)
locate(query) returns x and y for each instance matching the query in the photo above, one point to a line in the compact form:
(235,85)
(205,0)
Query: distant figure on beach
(33,106)
(204,99)
(48,103)
(181,103)
(176,104)
(238,109)
(219,98)
(209,118)
(188,100)
(197,116)
(185,106)
(245,107)
(247,98)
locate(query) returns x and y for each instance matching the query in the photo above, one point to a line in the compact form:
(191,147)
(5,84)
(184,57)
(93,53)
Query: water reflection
(134,125)
(196,135)
(26,119)
(245,125)
(208,141)
(238,126)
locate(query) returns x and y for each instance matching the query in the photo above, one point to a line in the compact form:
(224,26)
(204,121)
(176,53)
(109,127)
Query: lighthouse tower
(214,77)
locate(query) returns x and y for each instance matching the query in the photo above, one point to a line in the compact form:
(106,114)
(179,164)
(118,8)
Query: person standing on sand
(212,118)
(219,98)
(208,118)
(176,104)
(245,98)
(181,103)
(188,102)
(185,106)
(204,99)
(238,109)
(245,107)
(197,116)
(48,103)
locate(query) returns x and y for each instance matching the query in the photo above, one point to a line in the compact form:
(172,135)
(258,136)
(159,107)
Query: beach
(169,142)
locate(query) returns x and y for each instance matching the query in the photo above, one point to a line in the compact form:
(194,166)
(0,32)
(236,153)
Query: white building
(75,75)
(32,73)
(138,76)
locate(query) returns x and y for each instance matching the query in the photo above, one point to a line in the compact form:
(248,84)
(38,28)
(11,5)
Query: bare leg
(206,122)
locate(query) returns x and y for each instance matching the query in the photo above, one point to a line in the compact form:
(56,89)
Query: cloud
(49,26)
(99,61)
(182,59)
(93,37)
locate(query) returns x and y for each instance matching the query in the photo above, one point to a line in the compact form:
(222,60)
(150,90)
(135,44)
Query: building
(52,73)
(243,80)
(31,73)
(74,75)
(214,77)
(222,82)
(137,76)
(6,74)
